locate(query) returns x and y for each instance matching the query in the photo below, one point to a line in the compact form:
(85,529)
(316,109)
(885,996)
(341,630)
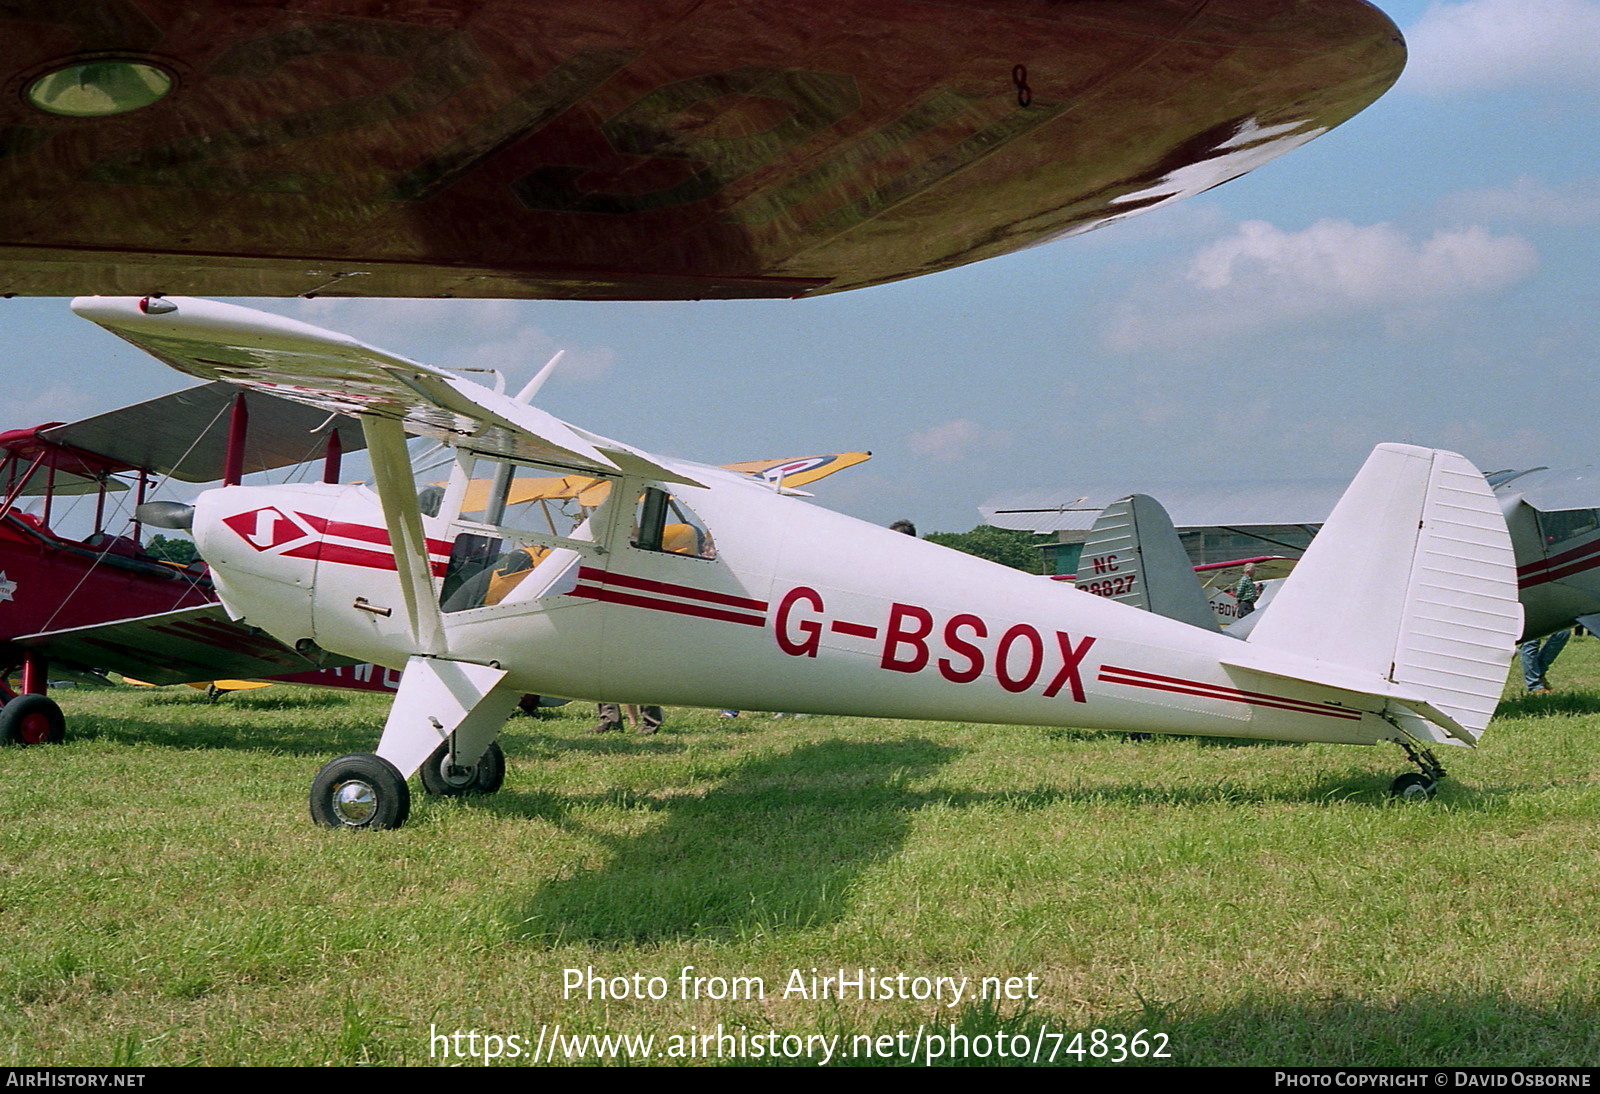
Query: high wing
(1554,491)
(179,647)
(338,374)
(634,149)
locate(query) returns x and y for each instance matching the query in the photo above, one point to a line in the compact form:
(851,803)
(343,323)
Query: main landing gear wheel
(444,779)
(360,791)
(32,720)
(1413,786)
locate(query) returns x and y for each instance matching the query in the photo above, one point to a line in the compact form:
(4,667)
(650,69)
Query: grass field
(166,900)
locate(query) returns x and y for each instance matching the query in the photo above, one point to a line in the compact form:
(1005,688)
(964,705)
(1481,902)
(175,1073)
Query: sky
(1429,272)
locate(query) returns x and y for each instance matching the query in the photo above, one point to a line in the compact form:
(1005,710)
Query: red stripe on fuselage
(324,551)
(667,588)
(364,532)
(1566,564)
(614,596)
(1136,678)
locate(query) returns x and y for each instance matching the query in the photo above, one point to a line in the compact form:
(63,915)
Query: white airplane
(686,583)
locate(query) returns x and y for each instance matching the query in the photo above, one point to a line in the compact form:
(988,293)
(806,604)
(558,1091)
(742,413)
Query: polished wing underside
(635,149)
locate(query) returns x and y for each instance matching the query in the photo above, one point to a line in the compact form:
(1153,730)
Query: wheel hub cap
(35,729)
(355,802)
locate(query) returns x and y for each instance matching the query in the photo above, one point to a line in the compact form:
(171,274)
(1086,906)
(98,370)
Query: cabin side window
(513,519)
(663,522)
(1559,527)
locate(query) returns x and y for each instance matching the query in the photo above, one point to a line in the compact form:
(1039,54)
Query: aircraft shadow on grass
(780,845)
(776,847)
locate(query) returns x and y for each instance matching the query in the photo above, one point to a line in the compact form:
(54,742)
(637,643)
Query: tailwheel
(1418,786)
(32,720)
(443,778)
(360,791)
(1413,786)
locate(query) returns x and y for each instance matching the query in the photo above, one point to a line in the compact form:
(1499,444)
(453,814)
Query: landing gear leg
(444,775)
(1418,786)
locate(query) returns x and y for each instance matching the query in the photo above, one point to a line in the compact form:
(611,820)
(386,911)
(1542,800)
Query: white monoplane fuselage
(562,562)
(798,609)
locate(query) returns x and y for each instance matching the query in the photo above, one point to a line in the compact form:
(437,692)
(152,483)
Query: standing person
(1537,658)
(644,719)
(1247,592)
(904,526)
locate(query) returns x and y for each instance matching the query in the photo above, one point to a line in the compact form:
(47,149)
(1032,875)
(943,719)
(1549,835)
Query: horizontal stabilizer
(1409,591)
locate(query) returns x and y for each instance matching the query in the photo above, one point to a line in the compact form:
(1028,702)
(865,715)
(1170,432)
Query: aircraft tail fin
(1133,556)
(1408,591)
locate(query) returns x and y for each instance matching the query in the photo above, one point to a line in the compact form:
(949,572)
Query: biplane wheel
(32,720)
(1413,786)
(360,791)
(443,779)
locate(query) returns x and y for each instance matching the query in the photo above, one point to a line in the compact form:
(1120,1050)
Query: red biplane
(99,601)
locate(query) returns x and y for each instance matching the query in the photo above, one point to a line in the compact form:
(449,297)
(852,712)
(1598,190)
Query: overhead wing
(176,648)
(185,434)
(338,374)
(632,149)
(801,471)
(1555,491)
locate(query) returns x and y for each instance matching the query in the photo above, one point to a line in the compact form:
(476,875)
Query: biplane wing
(637,149)
(192,644)
(185,434)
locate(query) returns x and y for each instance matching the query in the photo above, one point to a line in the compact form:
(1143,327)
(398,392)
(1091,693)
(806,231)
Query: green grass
(166,899)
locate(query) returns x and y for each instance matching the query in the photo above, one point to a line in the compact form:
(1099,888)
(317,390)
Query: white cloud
(1527,200)
(956,440)
(1263,276)
(1485,44)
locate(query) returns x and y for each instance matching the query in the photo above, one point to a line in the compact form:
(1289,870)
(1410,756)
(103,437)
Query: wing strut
(391,470)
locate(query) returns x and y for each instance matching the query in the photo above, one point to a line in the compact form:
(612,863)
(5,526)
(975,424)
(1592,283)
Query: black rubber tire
(1413,786)
(360,791)
(486,776)
(32,720)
